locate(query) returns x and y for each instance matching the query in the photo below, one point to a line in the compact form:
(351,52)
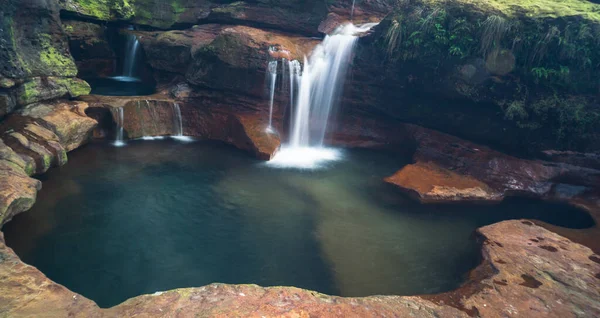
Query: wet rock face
(33,140)
(458,75)
(90,48)
(205,115)
(35,63)
(447,169)
(295,16)
(42,134)
(17,190)
(232,58)
(46,88)
(301,17)
(33,42)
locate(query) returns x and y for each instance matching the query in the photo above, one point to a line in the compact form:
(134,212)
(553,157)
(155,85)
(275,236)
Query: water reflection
(118,222)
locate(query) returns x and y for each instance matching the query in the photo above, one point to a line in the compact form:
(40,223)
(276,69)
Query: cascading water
(352,11)
(272,71)
(120,121)
(130,59)
(295,73)
(321,85)
(153,121)
(130,55)
(178,125)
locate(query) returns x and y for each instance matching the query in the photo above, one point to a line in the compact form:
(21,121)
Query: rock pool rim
(468,281)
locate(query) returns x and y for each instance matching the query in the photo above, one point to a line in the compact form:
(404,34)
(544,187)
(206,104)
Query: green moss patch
(532,8)
(537,60)
(61,63)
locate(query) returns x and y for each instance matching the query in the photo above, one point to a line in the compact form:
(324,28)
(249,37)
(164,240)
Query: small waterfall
(295,73)
(272,70)
(177,125)
(153,120)
(321,85)
(131,52)
(284,65)
(120,121)
(352,11)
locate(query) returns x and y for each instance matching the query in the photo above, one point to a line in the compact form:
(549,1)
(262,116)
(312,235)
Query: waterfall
(178,125)
(295,72)
(352,11)
(153,121)
(131,52)
(320,87)
(130,59)
(272,71)
(283,75)
(120,120)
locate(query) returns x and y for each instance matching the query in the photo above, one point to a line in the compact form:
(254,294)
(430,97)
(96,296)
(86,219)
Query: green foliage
(424,34)
(549,56)
(547,52)
(545,73)
(393,36)
(567,116)
(495,28)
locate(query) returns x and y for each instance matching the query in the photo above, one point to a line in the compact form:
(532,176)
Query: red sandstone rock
(553,277)
(439,156)
(223,57)
(205,115)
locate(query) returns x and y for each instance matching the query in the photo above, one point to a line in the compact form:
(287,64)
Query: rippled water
(156,215)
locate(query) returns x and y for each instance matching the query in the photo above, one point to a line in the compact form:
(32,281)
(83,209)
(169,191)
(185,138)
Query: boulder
(42,134)
(67,120)
(17,190)
(528,271)
(448,169)
(47,88)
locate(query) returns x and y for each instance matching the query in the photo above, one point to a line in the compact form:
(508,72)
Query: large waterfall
(320,87)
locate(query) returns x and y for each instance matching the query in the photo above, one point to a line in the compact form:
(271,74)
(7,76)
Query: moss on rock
(53,59)
(515,54)
(532,8)
(40,89)
(76,87)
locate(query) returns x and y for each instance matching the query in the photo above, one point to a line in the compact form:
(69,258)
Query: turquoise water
(156,215)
